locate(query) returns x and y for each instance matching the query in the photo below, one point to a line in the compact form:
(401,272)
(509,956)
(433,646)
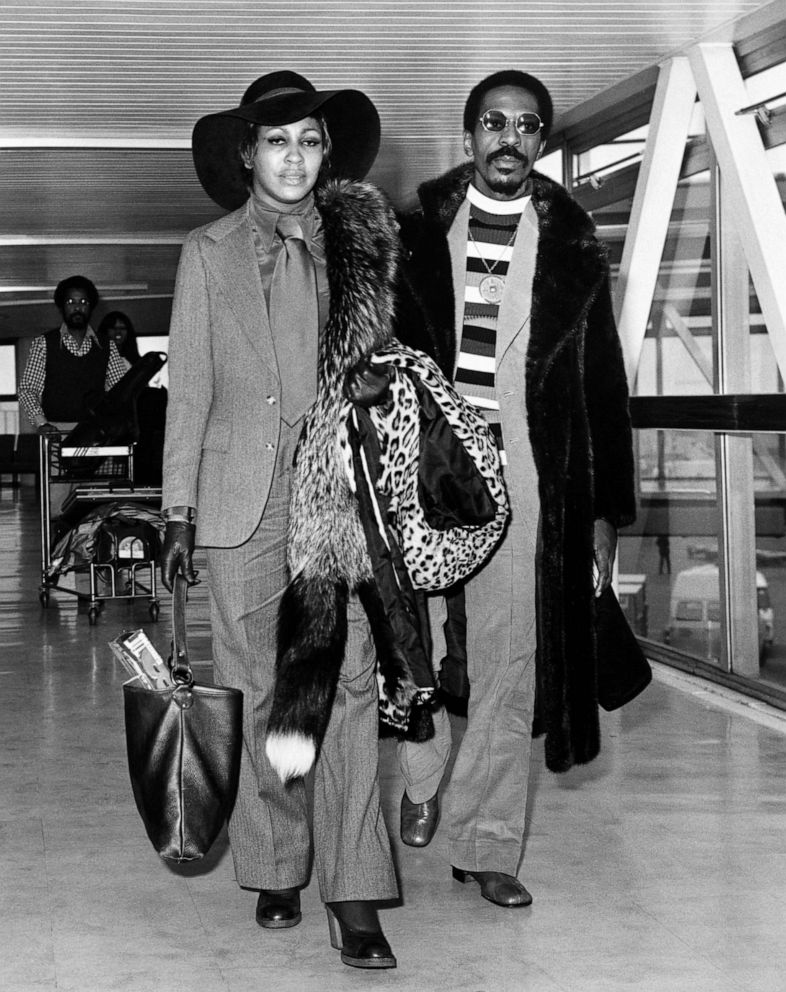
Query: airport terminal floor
(661,867)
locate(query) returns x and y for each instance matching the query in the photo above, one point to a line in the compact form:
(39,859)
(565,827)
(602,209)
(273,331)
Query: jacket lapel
(235,269)
(457,244)
(515,307)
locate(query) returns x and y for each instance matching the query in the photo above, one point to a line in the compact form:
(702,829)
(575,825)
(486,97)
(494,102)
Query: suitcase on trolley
(123,543)
(123,548)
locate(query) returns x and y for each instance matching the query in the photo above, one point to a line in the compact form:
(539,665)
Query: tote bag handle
(178,662)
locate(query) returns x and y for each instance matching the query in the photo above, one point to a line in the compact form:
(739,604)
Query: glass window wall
(702,572)
(768,460)
(770,495)
(678,353)
(671,553)
(9,408)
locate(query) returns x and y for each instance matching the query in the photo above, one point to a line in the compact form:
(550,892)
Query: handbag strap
(178,662)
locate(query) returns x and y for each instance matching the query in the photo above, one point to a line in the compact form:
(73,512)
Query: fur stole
(327,553)
(362,249)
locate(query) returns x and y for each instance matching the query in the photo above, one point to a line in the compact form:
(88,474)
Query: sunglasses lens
(494,120)
(528,123)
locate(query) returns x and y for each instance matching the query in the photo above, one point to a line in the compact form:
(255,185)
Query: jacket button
(270,446)
(271,400)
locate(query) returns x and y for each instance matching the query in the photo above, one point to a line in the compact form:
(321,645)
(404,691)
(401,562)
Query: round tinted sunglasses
(496,121)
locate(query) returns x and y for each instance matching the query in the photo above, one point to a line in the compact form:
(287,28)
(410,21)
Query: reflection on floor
(661,867)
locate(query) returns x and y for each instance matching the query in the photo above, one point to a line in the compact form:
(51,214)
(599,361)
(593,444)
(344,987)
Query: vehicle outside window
(694,614)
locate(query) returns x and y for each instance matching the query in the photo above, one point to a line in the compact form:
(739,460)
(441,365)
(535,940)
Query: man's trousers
(485,802)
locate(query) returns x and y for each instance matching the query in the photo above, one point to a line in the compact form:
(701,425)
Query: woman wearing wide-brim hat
(273,302)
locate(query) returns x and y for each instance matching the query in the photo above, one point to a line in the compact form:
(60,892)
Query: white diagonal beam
(749,187)
(680,327)
(672,107)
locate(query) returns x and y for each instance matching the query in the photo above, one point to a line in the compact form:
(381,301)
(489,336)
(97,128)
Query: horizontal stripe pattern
(480,364)
(489,250)
(490,243)
(477,339)
(484,312)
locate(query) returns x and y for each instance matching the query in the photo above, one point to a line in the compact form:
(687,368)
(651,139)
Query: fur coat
(327,552)
(577,412)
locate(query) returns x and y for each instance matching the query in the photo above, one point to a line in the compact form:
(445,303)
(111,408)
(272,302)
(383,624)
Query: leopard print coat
(433,503)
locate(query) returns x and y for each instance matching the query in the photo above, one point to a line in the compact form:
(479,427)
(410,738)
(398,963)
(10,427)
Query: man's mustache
(507,153)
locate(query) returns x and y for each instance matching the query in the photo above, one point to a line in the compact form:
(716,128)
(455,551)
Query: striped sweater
(490,241)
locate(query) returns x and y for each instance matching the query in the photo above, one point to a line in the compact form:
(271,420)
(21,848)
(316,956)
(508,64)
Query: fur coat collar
(571,268)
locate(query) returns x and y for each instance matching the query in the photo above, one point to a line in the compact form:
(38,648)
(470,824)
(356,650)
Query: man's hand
(367,384)
(48,428)
(605,547)
(177,554)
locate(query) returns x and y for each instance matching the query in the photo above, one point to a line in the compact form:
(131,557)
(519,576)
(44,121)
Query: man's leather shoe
(497,887)
(419,820)
(278,908)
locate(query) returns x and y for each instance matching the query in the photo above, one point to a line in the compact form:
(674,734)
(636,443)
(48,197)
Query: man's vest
(72,383)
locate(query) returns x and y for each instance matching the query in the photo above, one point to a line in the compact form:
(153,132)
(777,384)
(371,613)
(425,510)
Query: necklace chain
(490,270)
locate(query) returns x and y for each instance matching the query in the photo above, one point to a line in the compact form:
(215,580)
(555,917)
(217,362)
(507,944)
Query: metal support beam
(734,452)
(675,95)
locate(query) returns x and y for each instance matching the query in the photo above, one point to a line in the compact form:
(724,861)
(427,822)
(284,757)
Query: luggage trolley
(124,550)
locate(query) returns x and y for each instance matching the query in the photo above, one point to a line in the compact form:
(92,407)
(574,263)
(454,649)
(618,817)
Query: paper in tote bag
(183,747)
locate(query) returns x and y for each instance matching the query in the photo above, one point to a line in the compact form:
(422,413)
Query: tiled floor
(661,867)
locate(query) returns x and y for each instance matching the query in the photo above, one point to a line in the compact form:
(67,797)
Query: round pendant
(491,288)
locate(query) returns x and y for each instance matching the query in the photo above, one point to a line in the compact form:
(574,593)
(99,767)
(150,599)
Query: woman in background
(116,326)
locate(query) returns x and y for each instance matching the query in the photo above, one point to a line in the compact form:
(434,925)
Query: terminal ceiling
(99,98)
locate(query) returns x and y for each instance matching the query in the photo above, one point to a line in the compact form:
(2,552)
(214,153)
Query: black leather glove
(176,556)
(367,384)
(605,546)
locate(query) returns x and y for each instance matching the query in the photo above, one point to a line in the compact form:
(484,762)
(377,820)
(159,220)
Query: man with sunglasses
(516,288)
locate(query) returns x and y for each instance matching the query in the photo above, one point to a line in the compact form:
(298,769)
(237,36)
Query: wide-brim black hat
(283,98)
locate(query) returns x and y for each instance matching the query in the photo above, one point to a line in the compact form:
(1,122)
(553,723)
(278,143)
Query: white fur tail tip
(291,755)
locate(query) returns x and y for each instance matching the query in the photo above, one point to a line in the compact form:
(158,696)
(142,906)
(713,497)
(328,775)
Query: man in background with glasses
(67,370)
(516,288)
(67,367)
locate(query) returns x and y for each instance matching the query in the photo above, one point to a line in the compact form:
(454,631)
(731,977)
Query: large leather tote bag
(183,752)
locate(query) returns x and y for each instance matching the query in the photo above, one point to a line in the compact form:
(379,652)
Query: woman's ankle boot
(355,931)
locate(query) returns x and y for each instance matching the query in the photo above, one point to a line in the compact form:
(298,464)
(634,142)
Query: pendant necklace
(491,286)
